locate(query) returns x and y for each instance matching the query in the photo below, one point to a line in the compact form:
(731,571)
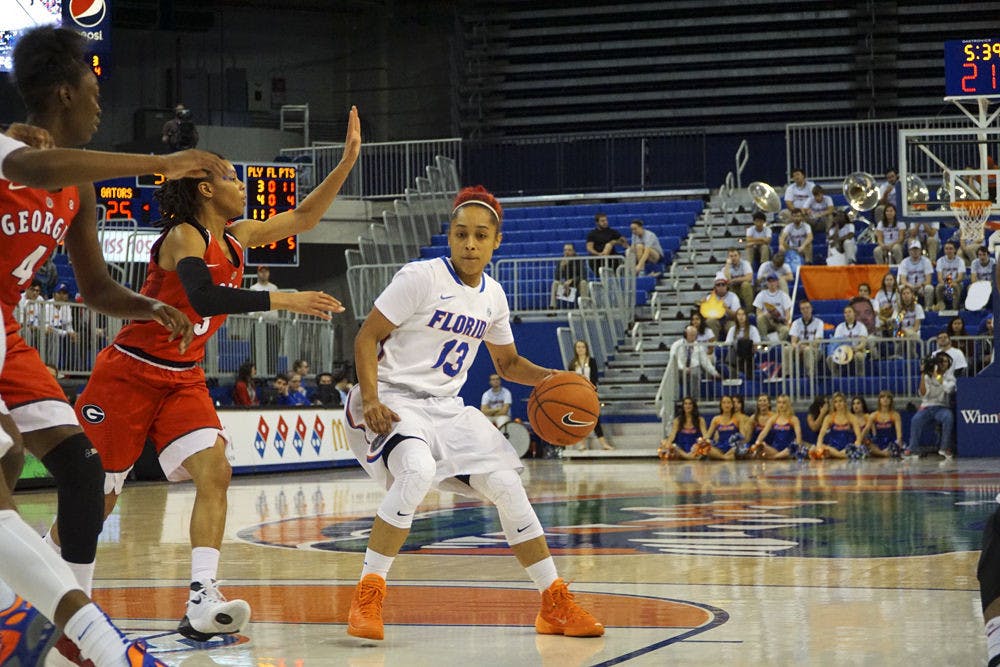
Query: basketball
(563,408)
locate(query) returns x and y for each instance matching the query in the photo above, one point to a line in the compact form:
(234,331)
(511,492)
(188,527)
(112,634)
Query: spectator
(569,280)
(927,234)
(586,365)
(59,327)
(915,272)
(326,394)
(301,367)
(890,194)
(296,395)
(797,236)
(937,387)
(819,210)
(983,267)
(886,300)
(264,284)
(742,339)
(179,133)
(495,403)
(739,273)
(774,309)
(883,431)
(838,432)
(705,334)
(48,276)
(890,234)
(797,195)
(951,275)
(959,363)
(968,248)
(985,357)
(245,390)
(646,245)
(818,410)
(721,298)
(277,393)
(908,315)
(842,247)
(686,433)
(864,308)
(803,333)
(601,241)
(778,267)
(854,334)
(758,240)
(691,360)
(962,339)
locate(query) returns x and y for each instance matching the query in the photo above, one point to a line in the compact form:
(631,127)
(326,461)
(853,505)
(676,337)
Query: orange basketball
(563,408)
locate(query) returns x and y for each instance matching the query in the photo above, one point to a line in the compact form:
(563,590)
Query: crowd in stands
(294,389)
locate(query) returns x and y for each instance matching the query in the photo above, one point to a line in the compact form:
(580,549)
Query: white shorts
(462,439)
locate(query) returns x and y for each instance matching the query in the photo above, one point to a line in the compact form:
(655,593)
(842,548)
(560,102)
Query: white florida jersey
(441,322)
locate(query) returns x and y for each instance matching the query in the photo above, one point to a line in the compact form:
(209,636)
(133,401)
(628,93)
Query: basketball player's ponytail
(179,202)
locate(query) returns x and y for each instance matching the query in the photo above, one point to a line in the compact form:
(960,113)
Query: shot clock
(270,189)
(972,68)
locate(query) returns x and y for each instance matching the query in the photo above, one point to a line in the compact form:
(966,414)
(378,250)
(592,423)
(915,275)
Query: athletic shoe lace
(211,591)
(564,602)
(370,600)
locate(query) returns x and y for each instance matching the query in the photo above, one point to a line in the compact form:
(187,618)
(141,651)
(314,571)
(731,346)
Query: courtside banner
(977,418)
(287,439)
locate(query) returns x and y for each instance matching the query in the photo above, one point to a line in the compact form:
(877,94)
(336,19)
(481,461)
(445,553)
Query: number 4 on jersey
(25,271)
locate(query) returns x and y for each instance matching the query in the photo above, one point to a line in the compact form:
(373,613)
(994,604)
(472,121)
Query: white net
(972,215)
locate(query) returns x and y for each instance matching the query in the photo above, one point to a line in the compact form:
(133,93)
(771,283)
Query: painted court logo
(87,13)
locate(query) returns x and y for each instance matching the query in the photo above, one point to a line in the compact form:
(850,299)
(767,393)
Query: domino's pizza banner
(274,440)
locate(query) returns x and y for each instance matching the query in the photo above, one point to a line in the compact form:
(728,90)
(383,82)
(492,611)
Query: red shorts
(35,399)
(128,400)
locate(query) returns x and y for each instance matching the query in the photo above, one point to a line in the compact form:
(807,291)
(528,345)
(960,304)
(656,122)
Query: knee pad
(76,467)
(413,468)
(503,488)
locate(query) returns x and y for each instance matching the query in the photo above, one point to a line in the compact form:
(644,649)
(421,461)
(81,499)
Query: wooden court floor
(821,563)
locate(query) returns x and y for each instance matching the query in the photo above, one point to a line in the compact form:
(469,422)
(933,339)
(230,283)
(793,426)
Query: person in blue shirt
(296,395)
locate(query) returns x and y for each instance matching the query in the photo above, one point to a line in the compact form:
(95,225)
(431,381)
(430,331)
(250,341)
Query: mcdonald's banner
(270,440)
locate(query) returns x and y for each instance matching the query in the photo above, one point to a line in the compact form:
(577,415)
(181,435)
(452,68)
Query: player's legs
(988,573)
(559,613)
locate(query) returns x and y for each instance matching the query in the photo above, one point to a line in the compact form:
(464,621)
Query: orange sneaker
(365,617)
(561,615)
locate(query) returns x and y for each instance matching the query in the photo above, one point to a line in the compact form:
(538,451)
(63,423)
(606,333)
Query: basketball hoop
(972,215)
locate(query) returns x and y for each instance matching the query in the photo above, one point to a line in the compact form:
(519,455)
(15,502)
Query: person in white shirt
(758,240)
(890,234)
(908,315)
(959,364)
(797,194)
(30,313)
(984,266)
(850,332)
(59,329)
(916,271)
(885,304)
(797,236)
(742,340)
(774,309)
(646,245)
(264,284)
(890,193)
(927,234)
(819,210)
(691,359)
(739,273)
(840,241)
(803,333)
(730,304)
(951,275)
(778,267)
(496,401)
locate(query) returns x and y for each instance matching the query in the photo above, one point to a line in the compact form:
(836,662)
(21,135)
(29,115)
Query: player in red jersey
(60,94)
(196,265)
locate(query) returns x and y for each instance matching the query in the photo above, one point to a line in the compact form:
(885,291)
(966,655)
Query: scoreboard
(271,188)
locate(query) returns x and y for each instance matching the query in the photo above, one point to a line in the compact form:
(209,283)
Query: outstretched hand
(352,143)
(193,164)
(319,304)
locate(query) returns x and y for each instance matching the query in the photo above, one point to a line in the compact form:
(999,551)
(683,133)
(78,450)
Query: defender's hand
(194,164)
(177,322)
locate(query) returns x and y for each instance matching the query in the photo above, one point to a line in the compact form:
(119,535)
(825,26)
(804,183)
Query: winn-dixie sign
(978,416)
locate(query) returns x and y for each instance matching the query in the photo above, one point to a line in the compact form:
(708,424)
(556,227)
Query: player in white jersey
(411,431)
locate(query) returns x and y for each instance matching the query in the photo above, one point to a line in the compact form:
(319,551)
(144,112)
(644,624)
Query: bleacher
(542,231)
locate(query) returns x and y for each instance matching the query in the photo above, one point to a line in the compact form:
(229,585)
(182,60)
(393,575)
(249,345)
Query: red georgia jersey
(32,223)
(150,337)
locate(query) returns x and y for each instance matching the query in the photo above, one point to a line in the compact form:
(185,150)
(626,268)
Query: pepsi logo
(87,13)
(94,414)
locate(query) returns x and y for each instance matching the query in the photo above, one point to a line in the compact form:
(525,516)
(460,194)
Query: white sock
(993,637)
(84,573)
(204,563)
(38,575)
(377,563)
(98,640)
(52,543)
(543,573)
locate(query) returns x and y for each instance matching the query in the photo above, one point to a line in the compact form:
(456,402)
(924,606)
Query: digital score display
(971,68)
(270,189)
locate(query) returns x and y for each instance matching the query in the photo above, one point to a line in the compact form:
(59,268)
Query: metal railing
(71,342)
(384,169)
(829,151)
(773,369)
